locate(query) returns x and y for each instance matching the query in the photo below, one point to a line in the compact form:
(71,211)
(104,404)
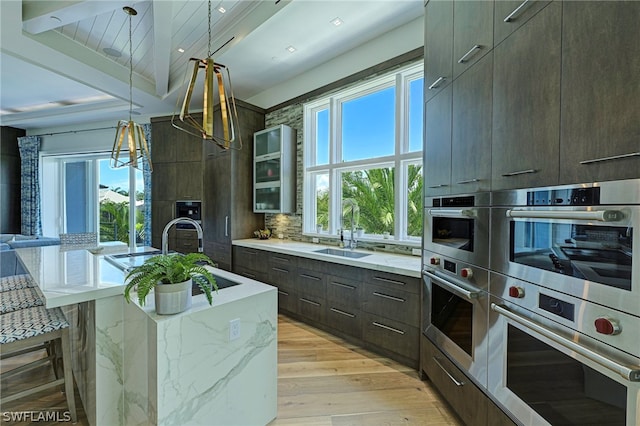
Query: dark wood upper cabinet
(526,104)
(438,44)
(472,33)
(437,140)
(511,15)
(600,129)
(471,129)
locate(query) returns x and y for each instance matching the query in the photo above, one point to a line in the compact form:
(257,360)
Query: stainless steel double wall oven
(560,334)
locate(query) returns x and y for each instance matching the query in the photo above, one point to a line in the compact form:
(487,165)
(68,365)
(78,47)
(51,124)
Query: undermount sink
(343,253)
(127,261)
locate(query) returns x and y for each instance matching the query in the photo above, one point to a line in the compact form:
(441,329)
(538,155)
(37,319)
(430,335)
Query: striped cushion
(30,322)
(19,299)
(16,282)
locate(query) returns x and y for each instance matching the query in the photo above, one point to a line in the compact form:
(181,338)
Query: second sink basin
(343,253)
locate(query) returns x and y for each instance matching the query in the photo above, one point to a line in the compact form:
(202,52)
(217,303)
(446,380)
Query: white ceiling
(54,70)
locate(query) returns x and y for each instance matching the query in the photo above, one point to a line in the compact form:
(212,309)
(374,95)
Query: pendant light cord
(130,71)
(210,53)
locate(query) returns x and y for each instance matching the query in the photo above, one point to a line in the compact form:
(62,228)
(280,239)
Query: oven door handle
(459,213)
(457,287)
(628,373)
(600,215)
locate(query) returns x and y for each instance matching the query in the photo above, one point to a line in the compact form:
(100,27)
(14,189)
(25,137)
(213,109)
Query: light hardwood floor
(322,381)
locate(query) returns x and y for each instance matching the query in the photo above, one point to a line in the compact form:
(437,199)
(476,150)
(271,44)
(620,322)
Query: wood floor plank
(430,416)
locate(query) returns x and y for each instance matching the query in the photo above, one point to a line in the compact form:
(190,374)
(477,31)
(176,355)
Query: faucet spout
(354,210)
(165,232)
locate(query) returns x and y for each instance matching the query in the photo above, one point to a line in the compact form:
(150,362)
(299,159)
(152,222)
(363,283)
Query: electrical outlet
(234,329)
(315,240)
(416,252)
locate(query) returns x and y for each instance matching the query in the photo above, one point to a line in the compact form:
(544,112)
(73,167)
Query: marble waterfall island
(209,365)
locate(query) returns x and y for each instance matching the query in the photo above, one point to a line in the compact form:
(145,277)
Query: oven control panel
(557,307)
(564,197)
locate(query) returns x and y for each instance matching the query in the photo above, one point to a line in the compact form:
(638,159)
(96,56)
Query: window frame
(400,160)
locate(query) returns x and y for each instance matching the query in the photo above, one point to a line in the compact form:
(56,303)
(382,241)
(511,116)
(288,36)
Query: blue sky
(118,178)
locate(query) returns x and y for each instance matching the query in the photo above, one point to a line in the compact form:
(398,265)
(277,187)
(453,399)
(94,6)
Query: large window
(363,159)
(95,198)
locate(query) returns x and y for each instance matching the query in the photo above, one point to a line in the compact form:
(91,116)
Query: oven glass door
(600,254)
(455,320)
(540,381)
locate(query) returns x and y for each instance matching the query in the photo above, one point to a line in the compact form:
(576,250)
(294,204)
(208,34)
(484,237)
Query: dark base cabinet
(377,310)
(465,398)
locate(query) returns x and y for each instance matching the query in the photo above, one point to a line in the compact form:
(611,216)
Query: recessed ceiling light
(180,49)
(336,21)
(222,9)
(112,52)
(291,49)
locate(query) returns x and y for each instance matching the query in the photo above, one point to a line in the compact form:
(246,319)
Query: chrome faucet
(165,232)
(350,202)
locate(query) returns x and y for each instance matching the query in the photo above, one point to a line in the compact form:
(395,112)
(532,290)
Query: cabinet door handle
(469,53)
(435,84)
(226,226)
(386,296)
(283,292)
(311,277)
(510,16)
(462,182)
(442,185)
(453,379)
(338,311)
(350,287)
(520,172)
(614,157)
(284,271)
(387,280)
(311,302)
(386,327)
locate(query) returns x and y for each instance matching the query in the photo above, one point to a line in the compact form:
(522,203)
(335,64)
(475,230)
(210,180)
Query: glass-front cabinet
(274,170)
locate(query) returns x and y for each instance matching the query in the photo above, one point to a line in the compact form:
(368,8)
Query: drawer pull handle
(463,182)
(510,16)
(614,157)
(436,83)
(248,275)
(386,280)
(386,296)
(311,302)
(250,252)
(519,172)
(386,327)
(283,292)
(442,185)
(469,53)
(453,379)
(284,271)
(338,311)
(350,287)
(311,277)
(281,259)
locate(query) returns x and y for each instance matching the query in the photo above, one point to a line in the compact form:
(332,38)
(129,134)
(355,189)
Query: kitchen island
(133,366)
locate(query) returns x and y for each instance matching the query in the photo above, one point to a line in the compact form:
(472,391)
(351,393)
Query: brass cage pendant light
(132,132)
(217,78)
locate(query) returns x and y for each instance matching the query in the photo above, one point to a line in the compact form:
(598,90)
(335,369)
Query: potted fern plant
(171,276)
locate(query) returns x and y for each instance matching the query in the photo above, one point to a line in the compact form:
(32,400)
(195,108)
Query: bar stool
(24,328)
(16,282)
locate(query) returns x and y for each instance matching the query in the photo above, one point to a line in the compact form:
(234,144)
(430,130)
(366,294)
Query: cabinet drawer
(311,307)
(391,335)
(389,280)
(282,276)
(344,318)
(219,253)
(186,245)
(250,273)
(251,259)
(392,303)
(465,398)
(343,290)
(283,260)
(311,283)
(287,301)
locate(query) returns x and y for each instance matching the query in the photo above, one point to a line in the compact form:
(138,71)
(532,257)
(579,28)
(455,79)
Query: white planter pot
(173,298)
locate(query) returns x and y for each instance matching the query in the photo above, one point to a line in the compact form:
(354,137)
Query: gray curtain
(146,174)
(29,147)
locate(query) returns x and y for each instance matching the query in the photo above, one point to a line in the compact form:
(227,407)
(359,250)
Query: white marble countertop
(247,288)
(379,261)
